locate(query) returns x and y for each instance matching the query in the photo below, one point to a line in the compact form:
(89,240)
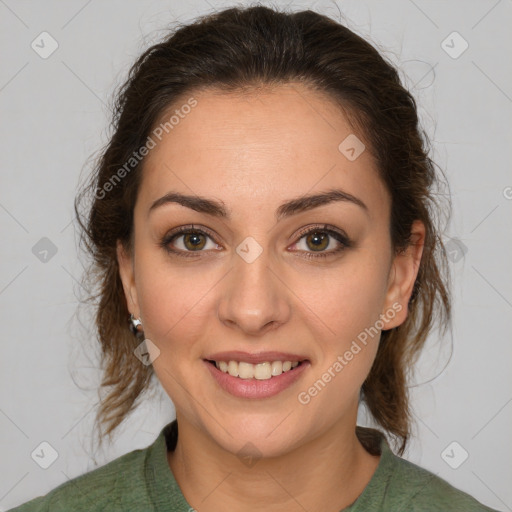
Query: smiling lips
(260,366)
(259,375)
(260,371)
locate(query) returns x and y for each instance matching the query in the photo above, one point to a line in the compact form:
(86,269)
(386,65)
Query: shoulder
(418,490)
(399,484)
(104,488)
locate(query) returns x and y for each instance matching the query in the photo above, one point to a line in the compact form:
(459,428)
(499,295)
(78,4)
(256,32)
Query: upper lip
(255,358)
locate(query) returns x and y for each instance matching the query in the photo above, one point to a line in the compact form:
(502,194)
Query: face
(303,282)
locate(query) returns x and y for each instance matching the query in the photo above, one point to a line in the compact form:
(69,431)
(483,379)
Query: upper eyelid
(183,230)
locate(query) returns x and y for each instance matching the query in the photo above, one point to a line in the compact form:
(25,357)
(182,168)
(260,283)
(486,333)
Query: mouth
(266,377)
(265,370)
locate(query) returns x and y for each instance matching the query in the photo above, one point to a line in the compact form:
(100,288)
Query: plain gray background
(54,116)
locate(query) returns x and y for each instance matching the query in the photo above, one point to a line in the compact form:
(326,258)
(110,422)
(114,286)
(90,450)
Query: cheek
(347,306)
(175,303)
(347,299)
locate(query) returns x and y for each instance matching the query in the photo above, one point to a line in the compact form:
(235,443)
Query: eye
(315,241)
(188,239)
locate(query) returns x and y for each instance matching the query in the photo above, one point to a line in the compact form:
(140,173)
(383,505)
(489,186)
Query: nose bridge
(253,297)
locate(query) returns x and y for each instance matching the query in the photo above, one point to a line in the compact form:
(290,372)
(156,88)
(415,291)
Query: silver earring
(134,324)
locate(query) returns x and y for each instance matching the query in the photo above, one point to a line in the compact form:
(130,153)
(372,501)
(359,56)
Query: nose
(253,298)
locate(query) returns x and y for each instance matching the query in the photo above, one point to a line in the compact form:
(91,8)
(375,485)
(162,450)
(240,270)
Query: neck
(328,473)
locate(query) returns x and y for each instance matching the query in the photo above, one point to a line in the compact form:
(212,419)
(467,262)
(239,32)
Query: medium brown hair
(232,51)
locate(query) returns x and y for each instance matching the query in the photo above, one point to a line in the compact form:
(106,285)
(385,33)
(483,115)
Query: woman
(263,219)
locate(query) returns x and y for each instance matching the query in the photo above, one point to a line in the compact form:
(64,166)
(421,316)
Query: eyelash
(324,228)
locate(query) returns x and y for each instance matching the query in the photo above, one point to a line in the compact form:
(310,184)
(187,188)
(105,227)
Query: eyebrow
(287,209)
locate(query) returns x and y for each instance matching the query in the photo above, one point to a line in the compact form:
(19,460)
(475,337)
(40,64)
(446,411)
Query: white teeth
(277,368)
(260,371)
(263,371)
(245,370)
(233,368)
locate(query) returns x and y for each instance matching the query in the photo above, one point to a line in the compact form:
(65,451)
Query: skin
(253,151)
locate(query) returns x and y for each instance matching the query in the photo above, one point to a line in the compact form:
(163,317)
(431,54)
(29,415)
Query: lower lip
(254,388)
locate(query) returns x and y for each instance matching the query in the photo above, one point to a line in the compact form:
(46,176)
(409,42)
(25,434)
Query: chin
(257,436)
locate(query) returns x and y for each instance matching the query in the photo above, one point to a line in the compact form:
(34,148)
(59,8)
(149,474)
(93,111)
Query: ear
(127,275)
(402,277)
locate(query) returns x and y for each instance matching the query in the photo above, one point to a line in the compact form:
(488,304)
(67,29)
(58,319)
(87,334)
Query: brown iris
(195,240)
(320,240)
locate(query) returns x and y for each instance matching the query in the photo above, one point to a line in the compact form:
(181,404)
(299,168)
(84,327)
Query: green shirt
(142,481)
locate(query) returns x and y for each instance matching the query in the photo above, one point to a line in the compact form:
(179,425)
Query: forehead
(260,146)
